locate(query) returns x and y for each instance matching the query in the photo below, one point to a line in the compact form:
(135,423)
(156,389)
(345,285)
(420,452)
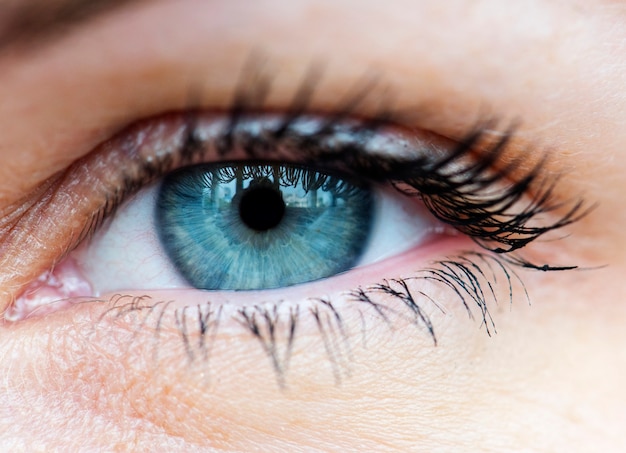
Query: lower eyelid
(146,340)
(180,328)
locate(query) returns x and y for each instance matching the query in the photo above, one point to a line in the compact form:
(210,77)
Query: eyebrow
(34,23)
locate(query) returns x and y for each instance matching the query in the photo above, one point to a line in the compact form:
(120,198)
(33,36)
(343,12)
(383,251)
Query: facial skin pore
(551,379)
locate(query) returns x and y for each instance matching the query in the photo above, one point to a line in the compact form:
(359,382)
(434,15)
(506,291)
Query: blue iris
(245,227)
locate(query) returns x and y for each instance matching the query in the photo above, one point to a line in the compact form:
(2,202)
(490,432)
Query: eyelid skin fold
(456,188)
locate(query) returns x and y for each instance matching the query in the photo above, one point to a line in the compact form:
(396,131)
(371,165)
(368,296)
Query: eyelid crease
(92,188)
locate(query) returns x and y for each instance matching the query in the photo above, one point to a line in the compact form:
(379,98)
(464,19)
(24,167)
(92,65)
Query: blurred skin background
(86,376)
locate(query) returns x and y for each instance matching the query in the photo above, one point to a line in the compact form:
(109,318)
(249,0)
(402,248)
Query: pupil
(262,208)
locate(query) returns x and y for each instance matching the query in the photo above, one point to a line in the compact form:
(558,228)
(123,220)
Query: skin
(551,379)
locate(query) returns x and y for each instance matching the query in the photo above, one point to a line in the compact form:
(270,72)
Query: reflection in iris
(232,226)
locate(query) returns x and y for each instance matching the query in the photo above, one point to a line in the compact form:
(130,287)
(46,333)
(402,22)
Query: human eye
(251,201)
(182,215)
(444,255)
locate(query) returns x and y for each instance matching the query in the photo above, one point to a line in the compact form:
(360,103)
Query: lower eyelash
(275,326)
